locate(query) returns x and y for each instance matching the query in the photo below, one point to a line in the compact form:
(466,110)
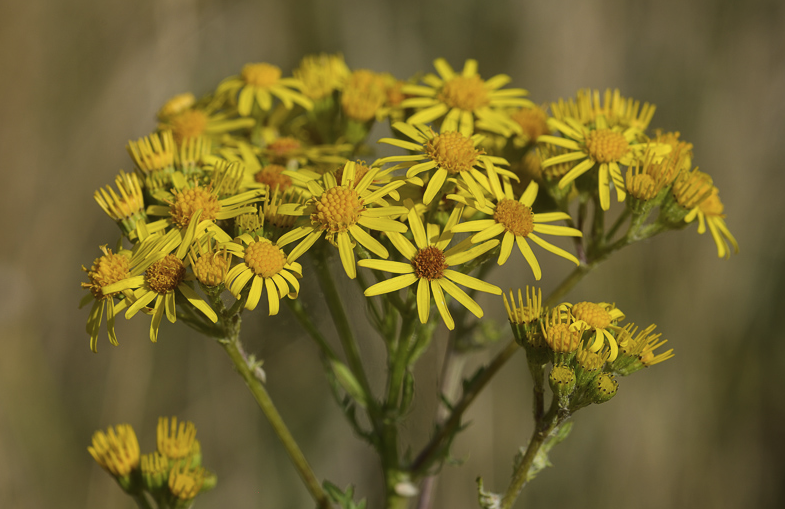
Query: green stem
(141,500)
(299,311)
(521,474)
(233,348)
(341,320)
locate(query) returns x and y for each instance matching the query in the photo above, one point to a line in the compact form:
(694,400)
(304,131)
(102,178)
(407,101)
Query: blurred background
(705,429)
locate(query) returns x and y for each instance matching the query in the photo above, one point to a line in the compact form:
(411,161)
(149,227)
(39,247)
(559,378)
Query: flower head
(467,100)
(257,84)
(364,93)
(429,266)
(710,211)
(117,450)
(516,220)
(322,74)
(601,318)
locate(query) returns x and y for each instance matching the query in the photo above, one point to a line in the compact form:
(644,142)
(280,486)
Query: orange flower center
(337,209)
(466,93)
(363,95)
(273,177)
(165,274)
(516,217)
(561,339)
(429,263)
(452,151)
(188,201)
(188,124)
(642,187)
(264,258)
(691,188)
(261,75)
(283,147)
(107,270)
(591,313)
(606,146)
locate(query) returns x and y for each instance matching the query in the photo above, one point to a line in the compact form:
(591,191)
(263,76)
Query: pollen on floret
(429,263)
(210,268)
(261,75)
(106,270)
(466,93)
(516,217)
(272,175)
(265,259)
(606,146)
(165,274)
(188,201)
(593,314)
(188,124)
(337,209)
(452,151)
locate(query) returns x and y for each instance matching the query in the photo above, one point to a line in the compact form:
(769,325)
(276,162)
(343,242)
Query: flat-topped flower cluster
(232,189)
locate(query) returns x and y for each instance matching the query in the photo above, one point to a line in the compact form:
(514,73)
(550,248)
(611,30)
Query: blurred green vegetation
(80,78)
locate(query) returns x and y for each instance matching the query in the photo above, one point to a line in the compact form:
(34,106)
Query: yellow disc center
(264,258)
(188,201)
(165,274)
(606,146)
(466,93)
(261,75)
(532,122)
(642,187)
(106,270)
(516,217)
(429,263)
(452,151)
(283,148)
(593,314)
(211,268)
(272,175)
(189,124)
(561,339)
(337,209)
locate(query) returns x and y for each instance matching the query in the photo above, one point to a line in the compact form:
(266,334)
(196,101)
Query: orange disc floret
(606,146)
(106,270)
(188,201)
(516,217)
(165,274)
(265,259)
(429,263)
(593,314)
(467,93)
(453,151)
(337,209)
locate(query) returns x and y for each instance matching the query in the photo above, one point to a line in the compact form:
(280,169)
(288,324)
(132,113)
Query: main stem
(234,349)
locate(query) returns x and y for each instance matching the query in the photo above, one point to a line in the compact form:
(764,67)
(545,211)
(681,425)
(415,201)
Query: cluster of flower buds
(172,475)
(584,342)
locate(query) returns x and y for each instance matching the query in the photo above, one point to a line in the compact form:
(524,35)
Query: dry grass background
(81,78)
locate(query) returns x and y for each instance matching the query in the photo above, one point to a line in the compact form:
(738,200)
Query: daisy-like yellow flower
(127,208)
(533,122)
(322,74)
(362,96)
(599,317)
(107,269)
(258,84)
(195,121)
(637,350)
(339,210)
(163,276)
(601,145)
(429,266)
(710,211)
(175,441)
(615,109)
(451,154)
(515,219)
(465,100)
(117,450)
(267,267)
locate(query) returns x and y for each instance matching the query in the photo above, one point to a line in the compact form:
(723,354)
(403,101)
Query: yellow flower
(451,154)
(533,123)
(515,219)
(640,347)
(599,317)
(163,274)
(601,145)
(186,481)
(126,209)
(429,266)
(362,96)
(188,122)
(519,313)
(467,100)
(175,442)
(270,269)
(615,109)
(117,450)
(258,84)
(322,74)
(338,210)
(710,211)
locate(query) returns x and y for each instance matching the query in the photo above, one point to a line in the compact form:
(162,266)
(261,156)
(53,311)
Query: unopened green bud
(562,381)
(603,388)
